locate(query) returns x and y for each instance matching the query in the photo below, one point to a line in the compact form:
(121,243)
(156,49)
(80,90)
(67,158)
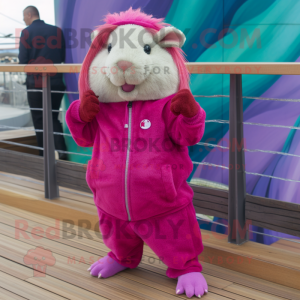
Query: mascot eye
(147,49)
(109,47)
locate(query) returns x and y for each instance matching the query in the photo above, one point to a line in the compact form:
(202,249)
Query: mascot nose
(124,65)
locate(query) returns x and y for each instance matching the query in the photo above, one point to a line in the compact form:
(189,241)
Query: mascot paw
(185,104)
(105,267)
(192,284)
(89,106)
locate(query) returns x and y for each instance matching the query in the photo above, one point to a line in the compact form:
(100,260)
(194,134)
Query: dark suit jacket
(41,43)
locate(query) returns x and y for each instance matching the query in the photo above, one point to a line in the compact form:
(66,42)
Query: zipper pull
(129,104)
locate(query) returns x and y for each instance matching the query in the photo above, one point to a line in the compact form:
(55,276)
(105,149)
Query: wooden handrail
(253,68)
(42,68)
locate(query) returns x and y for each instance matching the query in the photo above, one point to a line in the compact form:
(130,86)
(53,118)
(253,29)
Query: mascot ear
(169,37)
(94,34)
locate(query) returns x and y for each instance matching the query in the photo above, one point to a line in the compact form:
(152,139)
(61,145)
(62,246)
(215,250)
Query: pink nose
(124,65)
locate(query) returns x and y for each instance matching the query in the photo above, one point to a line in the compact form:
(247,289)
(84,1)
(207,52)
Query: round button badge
(145,124)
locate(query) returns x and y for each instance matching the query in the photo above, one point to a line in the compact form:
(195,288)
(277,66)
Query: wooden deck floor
(22,136)
(68,278)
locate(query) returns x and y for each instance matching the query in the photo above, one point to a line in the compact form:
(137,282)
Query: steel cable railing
(236,199)
(200,143)
(211,221)
(40,148)
(274,236)
(40,91)
(196,96)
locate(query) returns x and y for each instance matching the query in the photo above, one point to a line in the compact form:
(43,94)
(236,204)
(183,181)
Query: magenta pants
(175,238)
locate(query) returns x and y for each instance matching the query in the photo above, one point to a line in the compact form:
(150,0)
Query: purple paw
(192,284)
(105,267)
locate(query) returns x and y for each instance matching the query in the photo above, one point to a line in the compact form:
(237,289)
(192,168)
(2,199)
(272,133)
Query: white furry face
(127,72)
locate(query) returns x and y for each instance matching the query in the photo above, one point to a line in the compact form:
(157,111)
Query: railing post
(50,182)
(237,233)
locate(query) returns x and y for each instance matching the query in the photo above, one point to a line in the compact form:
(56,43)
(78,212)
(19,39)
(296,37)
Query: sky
(11,18)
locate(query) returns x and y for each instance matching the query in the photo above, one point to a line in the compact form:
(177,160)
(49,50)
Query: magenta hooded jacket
(140,160)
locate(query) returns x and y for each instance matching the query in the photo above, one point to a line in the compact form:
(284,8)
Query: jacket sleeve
(82,132)
(24,48)
(182,130)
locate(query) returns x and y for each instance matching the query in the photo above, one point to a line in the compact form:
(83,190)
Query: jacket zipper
(127,157)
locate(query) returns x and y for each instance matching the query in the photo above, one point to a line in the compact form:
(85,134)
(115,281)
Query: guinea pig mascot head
(134,56)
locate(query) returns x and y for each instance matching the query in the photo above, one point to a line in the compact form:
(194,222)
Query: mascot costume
(137,112)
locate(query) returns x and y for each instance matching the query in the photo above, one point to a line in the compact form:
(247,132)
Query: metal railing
(237,196)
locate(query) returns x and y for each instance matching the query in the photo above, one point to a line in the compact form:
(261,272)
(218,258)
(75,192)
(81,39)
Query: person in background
(41,43)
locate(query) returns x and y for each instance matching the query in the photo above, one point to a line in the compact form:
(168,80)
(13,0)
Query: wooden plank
(28,157)
(17,133)
(275,228)
(86,197)
(60,208)
(9,267)
(49,222)
(258,268)
(254,68)
(49,283)
(18,163)
(82,196)
(211,198)
(7,295)
(58,68)
(251,293)
(29,140)
(165,284)
(63,288)
(13,154)
(280,221)
(293,245)
(25,289)
(210,212)
(211,206)
(19,149)
(252,251)
(251,282)
(80,182)
(71,166)
(72,175)
(19,157)
(27,165)
(21,172)
(271,210)
(209,191)
(262,201)
(80,174)
(227,294)
(74,187)
(36,198)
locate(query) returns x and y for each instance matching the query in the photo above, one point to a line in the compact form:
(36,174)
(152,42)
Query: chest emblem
(145,124)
